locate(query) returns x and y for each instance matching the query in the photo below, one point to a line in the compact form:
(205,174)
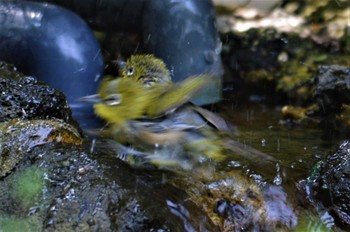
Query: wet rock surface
(329,105)
(332,88)
(97,192)
(51,180)
(18,137)
(236,203)
(25,97)
(90,196)
(330,185)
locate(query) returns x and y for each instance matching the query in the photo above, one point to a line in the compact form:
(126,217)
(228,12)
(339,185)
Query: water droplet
(35,18)
(284,40)
(278,178)
(209,56)
(92,148)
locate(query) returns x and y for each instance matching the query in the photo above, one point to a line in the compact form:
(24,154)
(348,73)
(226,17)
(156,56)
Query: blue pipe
(181,32)
(55,45)
(51,44)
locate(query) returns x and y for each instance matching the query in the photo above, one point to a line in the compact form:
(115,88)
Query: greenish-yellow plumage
(145,90)
(125,99)
(147,70)
(146,109)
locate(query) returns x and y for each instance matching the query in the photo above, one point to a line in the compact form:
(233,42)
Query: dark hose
(52,44)
(56,46)
(181,32)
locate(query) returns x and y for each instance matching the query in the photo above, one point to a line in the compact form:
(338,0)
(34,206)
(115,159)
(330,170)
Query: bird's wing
(178,94)
(217,121)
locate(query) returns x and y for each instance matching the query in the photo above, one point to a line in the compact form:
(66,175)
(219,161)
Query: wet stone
(236,203)
(329,100)
(332,87)
(18,137)
(98,192)
(329,185)
(25,97)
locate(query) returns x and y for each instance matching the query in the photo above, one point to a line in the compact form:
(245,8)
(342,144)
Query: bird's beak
(121,64)
(95,98)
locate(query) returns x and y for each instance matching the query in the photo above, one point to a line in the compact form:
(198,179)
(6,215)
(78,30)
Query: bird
(148,113)
(122,99)
(145,69)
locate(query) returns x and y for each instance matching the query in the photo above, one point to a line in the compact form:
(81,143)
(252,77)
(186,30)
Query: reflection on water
(297,150)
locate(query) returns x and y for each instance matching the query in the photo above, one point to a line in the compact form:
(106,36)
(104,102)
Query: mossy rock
(18,137)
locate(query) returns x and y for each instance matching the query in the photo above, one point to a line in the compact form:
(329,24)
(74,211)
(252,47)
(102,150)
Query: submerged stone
(236,203)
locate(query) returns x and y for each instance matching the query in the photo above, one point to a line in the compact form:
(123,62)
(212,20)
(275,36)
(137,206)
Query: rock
(330,101)
(329,185)
(332,88)
(96,191)
(18,137)
(235,203)
(25,97)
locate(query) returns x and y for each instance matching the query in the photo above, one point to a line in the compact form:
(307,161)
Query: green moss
(28,185)
(293,77)
(12,224)
(309,222)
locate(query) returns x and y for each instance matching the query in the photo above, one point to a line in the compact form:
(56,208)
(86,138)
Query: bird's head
(146,69)
(119,100)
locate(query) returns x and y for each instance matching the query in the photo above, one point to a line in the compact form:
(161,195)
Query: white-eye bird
(150,116)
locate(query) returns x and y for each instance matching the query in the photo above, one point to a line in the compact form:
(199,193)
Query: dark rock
(96,191)
(106,194)
(329,185)
(18,137)
(330,102)
(25,97)
(253,50)
(254,214)
(332,88)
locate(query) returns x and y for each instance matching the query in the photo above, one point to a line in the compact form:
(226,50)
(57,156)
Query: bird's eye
(130,71)
(113,99)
